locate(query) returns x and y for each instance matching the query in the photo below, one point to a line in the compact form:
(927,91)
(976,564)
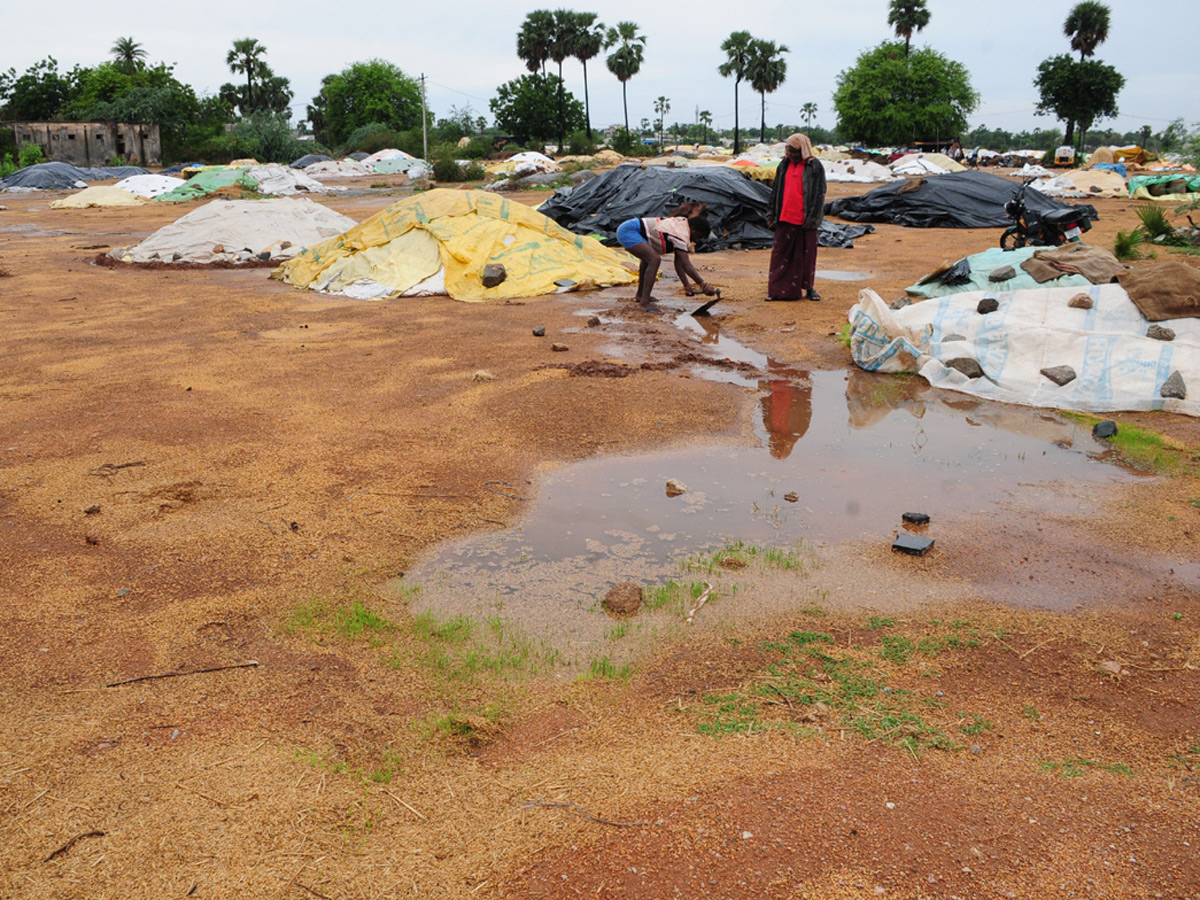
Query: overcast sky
(466,48)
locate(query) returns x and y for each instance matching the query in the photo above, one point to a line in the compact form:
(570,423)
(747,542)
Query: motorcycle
(1050,229)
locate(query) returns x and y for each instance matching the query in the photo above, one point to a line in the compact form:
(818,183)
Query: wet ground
(839,456)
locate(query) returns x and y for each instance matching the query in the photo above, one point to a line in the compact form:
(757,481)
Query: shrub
(268,137)
(579,144)
(1126,245)
(30,155)
(7,166)
(624,142)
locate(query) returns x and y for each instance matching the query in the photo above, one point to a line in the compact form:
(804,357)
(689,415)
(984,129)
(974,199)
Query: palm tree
(589,41)
(1087,27)
(907,17)
(662,106)
(626,60)
(128,54)
(738,52)
(563,45)
(247,56)
(705,118)
(766,72)
(534,39)
(808,110)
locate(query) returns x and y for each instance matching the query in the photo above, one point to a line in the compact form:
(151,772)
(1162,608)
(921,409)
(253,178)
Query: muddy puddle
(839,457)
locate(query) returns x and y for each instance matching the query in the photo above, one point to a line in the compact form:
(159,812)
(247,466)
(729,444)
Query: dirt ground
(213,483)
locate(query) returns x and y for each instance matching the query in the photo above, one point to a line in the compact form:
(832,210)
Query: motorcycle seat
(1059,216)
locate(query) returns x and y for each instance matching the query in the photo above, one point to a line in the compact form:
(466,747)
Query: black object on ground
(955,200)
(1105,429)
(987,305)
(912,545)
(703,309)
(737,206)
(915,518)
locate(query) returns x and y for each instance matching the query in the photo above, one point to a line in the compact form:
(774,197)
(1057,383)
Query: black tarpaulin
(737,206)
(955,200)
(309,158)
(61,176)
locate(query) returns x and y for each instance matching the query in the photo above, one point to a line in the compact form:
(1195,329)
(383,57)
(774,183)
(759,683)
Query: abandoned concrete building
(92,143)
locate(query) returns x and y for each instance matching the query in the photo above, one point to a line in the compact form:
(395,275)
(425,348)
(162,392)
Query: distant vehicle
(1050,229)
(1064,157)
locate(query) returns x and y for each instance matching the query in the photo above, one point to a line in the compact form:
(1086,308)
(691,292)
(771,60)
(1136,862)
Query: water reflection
(786,407)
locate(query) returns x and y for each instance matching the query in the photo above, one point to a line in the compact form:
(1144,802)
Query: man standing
(797,208)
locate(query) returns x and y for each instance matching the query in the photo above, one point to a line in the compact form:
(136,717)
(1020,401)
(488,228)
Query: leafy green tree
(588,41)
(526,108)
(267,137)
(1087,27)
(626,60)
(888,98)
(766,72)
(128,55)
(38,94)
(375,91)
(908,17)
(246,57)
(738,50)
(808,110)
(1078,92)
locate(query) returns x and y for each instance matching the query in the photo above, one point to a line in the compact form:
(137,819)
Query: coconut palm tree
(128,54)
(766,72)
(808,110)
(908,17)
(247,57)
(563,45)
(1087,27)
(626,60)
(738,50)
(589,41)
(705,119)
(535,38)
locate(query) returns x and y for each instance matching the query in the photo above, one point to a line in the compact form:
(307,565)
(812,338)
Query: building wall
(92,143)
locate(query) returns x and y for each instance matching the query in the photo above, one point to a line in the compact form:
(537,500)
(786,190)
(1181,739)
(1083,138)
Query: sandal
(813,295)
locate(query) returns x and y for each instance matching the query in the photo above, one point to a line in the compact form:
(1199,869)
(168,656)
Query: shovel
(703,309)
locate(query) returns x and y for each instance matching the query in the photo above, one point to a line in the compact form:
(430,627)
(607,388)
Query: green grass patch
(977,725)
(812,680)
(1031,713)
(1144,448)
(1074,767)
(739,555)
(604,669)
(459,649)
(677,598)
(896,648)
(352,620)
(876,622)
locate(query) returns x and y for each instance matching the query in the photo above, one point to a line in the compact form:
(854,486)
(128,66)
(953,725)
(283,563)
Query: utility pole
(424,120)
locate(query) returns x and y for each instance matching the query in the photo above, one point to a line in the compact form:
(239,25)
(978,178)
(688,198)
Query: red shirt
(793,194)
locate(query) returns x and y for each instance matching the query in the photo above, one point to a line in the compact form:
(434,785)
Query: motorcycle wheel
(1012,239)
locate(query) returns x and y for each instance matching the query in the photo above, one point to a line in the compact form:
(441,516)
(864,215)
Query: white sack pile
(234,231)
(1114,364)
(279,180)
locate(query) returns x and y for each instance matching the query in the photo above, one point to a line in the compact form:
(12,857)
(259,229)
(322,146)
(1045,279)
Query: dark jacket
(814,193)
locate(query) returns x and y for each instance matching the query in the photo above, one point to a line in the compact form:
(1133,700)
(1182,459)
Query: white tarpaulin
(239,230)
(149,185)
(278,180)
(1117,367)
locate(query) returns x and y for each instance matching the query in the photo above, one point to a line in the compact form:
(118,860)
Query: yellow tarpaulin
(458,232)
(98,195)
